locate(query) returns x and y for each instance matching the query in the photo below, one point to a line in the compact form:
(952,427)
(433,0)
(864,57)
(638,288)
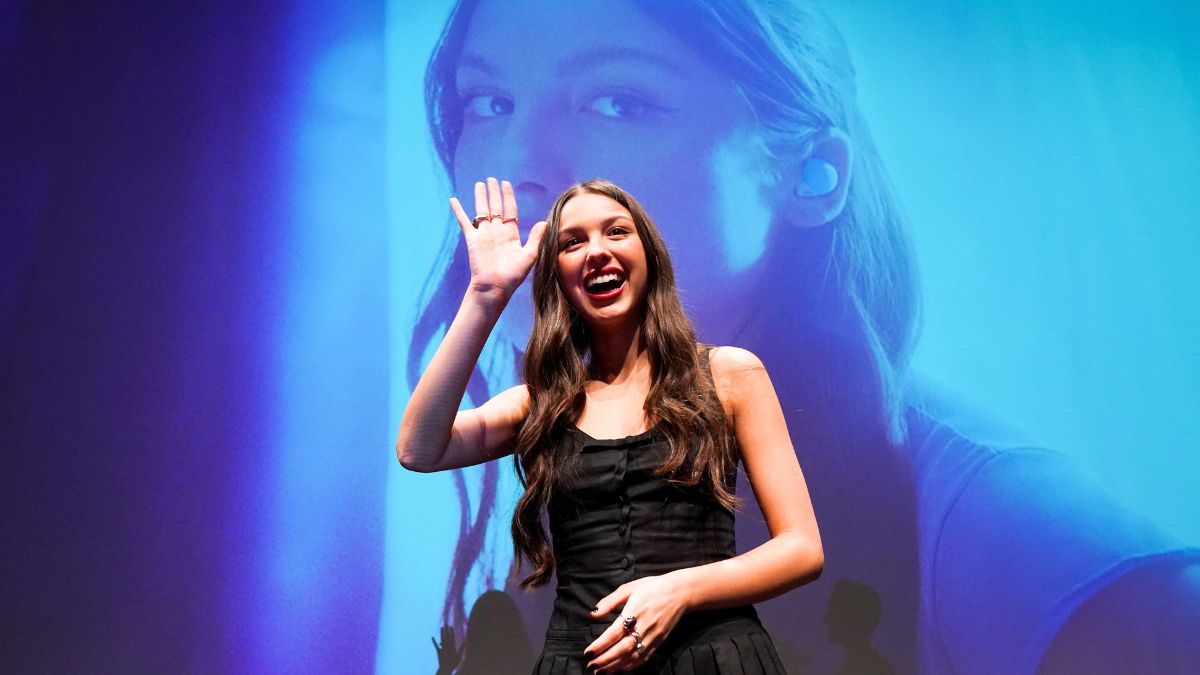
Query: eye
(487,105)
(618,106)
(618,230)
(568,243)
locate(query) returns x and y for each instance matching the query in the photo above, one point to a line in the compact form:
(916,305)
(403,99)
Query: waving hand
(499,262)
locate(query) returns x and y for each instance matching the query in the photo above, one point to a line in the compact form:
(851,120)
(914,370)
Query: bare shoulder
(728,359)
(734,372)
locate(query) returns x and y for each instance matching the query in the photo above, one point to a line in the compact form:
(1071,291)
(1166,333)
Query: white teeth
(602,278)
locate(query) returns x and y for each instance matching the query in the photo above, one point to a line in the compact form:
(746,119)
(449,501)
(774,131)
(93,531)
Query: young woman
(737,122)
(628,433)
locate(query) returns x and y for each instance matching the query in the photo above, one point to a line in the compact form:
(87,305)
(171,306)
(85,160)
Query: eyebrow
(603,224)
(477,62)
(601,55)
(588,59)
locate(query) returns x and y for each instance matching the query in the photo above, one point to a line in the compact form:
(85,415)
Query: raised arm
(434,434)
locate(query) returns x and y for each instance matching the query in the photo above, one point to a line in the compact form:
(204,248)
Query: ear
(812,189)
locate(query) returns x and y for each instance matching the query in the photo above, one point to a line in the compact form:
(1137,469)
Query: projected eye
(488,105)
(619,106)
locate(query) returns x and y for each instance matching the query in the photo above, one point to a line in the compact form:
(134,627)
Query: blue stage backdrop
(227,255)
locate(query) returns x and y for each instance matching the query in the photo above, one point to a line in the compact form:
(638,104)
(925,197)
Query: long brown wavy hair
(682,399)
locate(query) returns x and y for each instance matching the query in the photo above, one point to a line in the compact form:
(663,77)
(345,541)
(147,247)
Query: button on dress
(613,522)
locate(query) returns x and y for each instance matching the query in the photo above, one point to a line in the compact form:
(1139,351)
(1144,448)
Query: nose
(531,156)
(596,255)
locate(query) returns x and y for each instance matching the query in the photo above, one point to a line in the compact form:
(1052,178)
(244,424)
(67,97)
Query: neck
(616,353)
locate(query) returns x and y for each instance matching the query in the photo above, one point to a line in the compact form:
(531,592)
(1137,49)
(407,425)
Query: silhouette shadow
(496,642)
(850,621)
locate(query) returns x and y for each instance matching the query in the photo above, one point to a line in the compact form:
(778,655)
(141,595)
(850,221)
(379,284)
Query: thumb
(535,238)
(611,601)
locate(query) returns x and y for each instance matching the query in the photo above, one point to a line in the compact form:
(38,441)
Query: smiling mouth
(604,284)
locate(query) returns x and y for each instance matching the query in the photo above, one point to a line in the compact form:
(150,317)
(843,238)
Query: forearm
(428,418)
(778,565)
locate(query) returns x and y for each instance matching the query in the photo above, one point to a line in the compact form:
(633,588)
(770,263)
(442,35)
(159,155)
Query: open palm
(499,262)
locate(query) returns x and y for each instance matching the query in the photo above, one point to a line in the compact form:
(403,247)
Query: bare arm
(434,435)
(793,555)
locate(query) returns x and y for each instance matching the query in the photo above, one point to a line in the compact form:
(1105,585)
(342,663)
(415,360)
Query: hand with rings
(650,608)
(498,260)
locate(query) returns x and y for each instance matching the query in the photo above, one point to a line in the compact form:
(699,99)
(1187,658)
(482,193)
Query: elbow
(416,468)
(811,561)
(816,565)
(408,461)
(817,556)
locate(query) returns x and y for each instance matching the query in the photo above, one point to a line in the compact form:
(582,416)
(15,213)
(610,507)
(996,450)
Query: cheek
(466,172)
(713,210)
(740,215)
(472,155)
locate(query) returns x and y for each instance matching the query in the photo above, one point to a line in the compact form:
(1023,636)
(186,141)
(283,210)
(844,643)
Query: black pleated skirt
(716,642)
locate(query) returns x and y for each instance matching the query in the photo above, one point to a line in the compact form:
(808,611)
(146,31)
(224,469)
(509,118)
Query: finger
(601,648)
(460,215)
(435,644)
(608,603)
(621,655)
(604,646)
(613,600)
(481,200)
(535,238)
(510,200)
(495,203)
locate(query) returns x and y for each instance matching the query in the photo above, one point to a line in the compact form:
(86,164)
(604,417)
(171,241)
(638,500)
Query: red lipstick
(609,276)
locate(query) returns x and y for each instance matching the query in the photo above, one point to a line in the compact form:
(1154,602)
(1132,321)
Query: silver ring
(641,648)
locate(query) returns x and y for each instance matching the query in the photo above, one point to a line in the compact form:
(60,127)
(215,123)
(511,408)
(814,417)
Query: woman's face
(601,261)
(557,93)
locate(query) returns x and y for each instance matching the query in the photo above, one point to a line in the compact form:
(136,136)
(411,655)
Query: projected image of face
(556,93)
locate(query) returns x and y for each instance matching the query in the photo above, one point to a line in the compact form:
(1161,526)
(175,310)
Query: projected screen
(956,240)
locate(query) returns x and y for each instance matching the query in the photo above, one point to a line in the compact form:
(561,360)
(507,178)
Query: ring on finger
(637,643)
(479,219)
(510,220)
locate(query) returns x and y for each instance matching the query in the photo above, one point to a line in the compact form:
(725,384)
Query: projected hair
(794,69)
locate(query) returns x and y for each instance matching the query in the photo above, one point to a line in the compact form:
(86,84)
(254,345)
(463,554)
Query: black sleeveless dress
(616,522)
